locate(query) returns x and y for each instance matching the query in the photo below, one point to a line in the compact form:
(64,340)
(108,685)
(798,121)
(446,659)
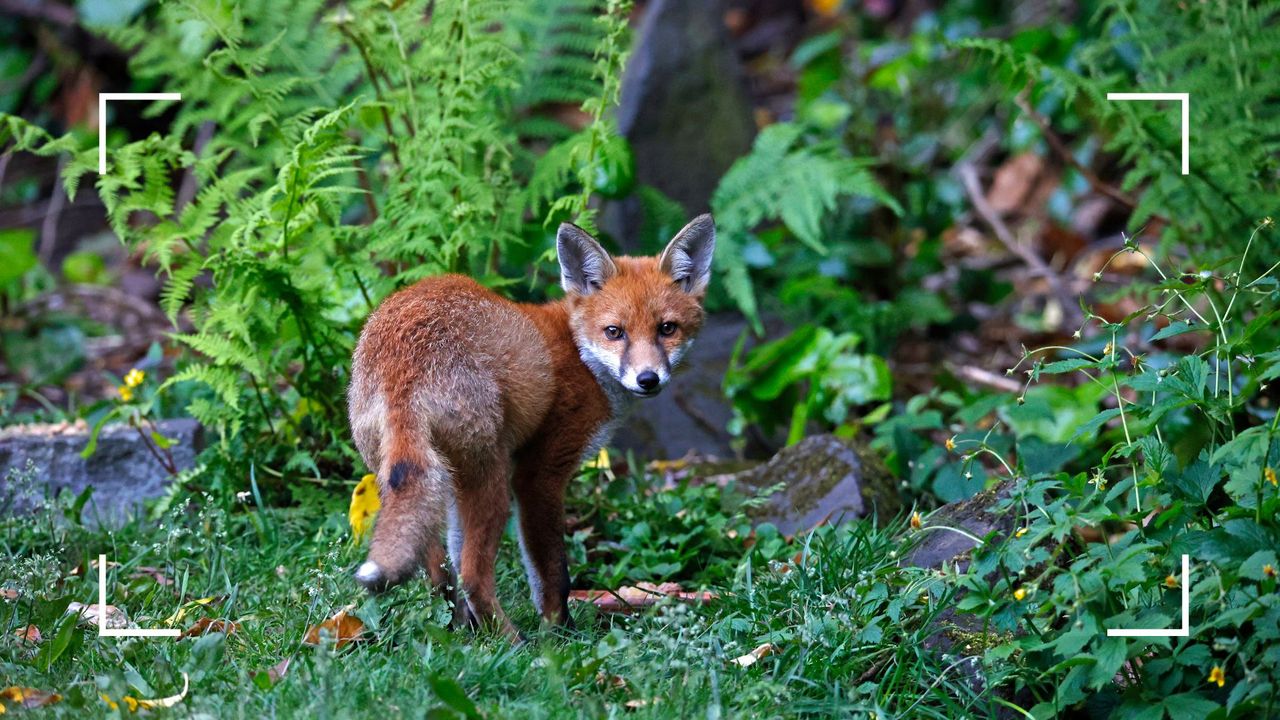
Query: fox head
(634,318)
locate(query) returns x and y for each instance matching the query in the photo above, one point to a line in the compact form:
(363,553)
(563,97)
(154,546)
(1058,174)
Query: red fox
(459,397)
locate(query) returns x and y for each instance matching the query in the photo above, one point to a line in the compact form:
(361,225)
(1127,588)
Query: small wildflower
(1270,474)
(1216,675)
(134,378)
(1107,350)
(916,522)
(1097,276)
(951,445)
(826,8)
(1267,221)
(1170,581)
(1020,594)
(1021,531)
(1075,335)
(126,393)
(1269,570)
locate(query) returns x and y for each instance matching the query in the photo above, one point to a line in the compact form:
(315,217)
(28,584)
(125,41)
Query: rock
(975,516)
(825,479)
(684,108)
(121,470)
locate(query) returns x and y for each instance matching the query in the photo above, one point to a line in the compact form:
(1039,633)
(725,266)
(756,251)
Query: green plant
(1186,466)
(812,373)
(337,153)
(1224,56)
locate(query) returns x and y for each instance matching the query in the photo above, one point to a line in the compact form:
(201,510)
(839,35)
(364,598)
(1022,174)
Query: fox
(460,399)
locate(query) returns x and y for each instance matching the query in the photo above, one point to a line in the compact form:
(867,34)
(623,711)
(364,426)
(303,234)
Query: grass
(849,625)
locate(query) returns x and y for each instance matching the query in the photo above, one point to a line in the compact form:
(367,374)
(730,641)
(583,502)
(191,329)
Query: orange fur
(459,397)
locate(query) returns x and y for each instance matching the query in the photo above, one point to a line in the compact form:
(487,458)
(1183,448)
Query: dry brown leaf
(29,634)
(1014,181)
(113,617)
(27,697)
(153,573)
(8,593)
(606,681)
(756,655)
(341,629)
(211,625)
(278,671)
(642,595)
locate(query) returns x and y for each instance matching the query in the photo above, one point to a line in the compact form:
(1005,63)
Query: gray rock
(122,471)
(975,515)
(824,480)
(683,106)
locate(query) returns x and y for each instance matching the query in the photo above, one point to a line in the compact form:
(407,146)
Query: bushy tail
(413,484)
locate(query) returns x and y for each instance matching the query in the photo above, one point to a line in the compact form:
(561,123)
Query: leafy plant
(813,373)
(1187,466)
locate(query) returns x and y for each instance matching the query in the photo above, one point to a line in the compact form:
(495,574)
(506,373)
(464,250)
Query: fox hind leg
(483,505)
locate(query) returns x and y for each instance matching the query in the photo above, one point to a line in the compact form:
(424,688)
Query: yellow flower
(1020,594)
(126,393)
(1270,474)
(134,378)
(826,8)
(1021,531)
(1269,570)
(1107,350)
(951,444)
(1216,675)
(916,522)
(1170,581)
(364,506)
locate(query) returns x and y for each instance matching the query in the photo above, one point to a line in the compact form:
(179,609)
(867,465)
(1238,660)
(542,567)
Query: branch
(969,178)
(1065,153)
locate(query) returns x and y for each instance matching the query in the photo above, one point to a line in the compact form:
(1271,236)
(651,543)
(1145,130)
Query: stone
(684,108)
(824,480)
(975,516)
(122,471)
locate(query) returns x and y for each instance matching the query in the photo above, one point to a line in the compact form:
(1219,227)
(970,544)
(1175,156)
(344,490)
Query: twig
(988,378)
(1065,153)
(969,178)
(49,228)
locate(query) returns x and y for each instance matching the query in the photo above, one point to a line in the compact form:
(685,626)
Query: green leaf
(1252,567)
(17,254)
(452,695)
(1189,706)
(1110,654)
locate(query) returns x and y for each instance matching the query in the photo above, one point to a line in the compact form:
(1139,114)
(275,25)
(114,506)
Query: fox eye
(613,332)
(667,329)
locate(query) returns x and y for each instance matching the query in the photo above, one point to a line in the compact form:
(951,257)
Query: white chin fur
(368,572)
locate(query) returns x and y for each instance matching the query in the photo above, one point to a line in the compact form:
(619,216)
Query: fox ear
(584,265)
(687,258)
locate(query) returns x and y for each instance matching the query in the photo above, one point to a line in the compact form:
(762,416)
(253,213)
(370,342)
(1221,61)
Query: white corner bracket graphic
(102,118)
(1185,99)
(104,631)
(1185,630)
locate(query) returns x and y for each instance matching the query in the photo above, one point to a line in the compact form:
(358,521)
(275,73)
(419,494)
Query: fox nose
(647,380)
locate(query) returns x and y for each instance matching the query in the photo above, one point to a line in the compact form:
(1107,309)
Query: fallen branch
(986,377)
(968,175)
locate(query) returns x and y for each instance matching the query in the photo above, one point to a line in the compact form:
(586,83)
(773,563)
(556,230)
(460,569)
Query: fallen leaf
(278,671)
(629,598)
(207,625)
(364,507)
(641,703)
(134,704)
(341,629)
(113,617)
(1014,180)
(29,634)
(176,618)
(27,697)
(8,593)
(756,655)
(153,573)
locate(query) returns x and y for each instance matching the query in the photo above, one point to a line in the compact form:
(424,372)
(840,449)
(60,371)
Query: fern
(339,152)
(789,179)
(1226,56)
